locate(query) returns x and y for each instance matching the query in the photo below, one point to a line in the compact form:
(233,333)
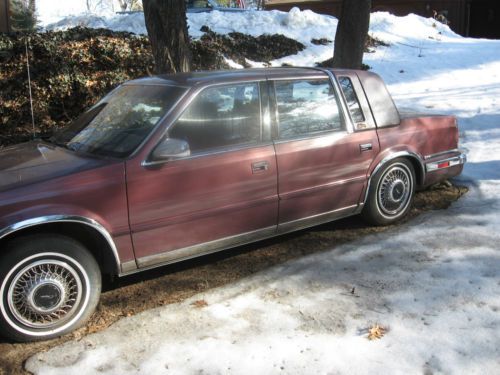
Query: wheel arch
(87,231)
(414,158)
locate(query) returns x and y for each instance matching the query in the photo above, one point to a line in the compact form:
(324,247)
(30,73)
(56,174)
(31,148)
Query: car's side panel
(322,174)
(97,194)
(201,199)
(423,137)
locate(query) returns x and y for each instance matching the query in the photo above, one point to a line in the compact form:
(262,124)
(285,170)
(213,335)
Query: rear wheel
(391,193)
(49,286)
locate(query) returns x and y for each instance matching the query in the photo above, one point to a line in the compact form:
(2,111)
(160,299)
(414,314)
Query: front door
(224,193)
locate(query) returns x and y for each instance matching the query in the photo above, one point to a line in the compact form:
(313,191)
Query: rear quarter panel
(423,136)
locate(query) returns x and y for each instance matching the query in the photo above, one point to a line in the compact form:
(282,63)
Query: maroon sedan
(168,168)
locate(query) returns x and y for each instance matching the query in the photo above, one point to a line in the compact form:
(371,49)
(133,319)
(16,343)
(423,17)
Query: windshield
(120,122)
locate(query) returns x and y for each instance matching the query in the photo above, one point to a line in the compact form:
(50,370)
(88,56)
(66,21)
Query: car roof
(206,78)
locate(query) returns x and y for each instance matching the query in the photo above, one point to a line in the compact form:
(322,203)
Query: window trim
(195,92)
(276,133)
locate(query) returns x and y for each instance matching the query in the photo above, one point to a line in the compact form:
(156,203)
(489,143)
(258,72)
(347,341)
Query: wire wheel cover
(45,294)
(395,190)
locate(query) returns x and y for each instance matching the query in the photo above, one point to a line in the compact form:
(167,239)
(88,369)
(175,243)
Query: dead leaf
(200,303)
(376,331)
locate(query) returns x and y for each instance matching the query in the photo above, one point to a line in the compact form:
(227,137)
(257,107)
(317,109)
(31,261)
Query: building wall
(478,18)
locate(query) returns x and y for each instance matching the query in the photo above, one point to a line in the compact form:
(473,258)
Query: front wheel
(49,286)
(391,193)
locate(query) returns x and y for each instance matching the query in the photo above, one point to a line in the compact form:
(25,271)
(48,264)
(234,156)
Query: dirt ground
(134,294)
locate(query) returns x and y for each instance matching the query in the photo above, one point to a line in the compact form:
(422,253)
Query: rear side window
(221,117)
(306,107)
(351,99)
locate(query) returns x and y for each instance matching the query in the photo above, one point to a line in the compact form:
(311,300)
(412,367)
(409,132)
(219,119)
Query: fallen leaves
(376,332)
(199,303)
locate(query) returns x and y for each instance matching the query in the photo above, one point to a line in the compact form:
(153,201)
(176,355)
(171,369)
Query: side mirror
(171,148)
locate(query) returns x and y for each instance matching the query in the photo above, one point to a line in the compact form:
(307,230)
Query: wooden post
(4,16)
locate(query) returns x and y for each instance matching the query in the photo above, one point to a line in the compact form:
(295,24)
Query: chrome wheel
(395,190)
(45,293)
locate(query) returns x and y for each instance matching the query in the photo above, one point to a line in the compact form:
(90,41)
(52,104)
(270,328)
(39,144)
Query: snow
(433,282)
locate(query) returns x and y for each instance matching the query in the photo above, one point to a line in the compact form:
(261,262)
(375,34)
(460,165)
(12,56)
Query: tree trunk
(166,23)
(351,34)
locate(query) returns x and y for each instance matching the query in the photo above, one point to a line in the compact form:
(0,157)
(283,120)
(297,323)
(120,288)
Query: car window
(351,99)
(306,107)
(221,117)
(121,121)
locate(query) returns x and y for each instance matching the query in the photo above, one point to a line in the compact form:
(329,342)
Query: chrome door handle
(260,166)
(365,147)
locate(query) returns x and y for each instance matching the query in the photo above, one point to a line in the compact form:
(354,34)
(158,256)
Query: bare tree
(351,34)
(166,23)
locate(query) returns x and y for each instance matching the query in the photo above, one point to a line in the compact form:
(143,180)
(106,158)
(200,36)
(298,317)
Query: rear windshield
(120,122)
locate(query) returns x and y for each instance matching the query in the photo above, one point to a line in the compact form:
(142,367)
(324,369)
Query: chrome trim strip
(339,95)
(129,266)
(311,190)
(174,256)
(456,150)
(456,160)
(189,252)
(316,219)
(388,159)
(66,219)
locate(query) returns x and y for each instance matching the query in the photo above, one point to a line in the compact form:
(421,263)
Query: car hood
(33,162)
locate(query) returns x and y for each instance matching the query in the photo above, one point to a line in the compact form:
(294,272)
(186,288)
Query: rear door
(322,161)
(224,193)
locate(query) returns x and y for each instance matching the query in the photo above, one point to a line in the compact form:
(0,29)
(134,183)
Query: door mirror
(171,148)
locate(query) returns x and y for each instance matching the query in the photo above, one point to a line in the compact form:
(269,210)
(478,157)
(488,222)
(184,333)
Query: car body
(197,6)
(167,168)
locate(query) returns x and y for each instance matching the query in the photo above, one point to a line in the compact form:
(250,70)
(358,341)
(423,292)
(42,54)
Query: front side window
(118,124)
(306,107)
(220,117)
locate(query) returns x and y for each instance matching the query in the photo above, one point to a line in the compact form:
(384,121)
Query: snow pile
(302,26)
(433,282)
(418,33)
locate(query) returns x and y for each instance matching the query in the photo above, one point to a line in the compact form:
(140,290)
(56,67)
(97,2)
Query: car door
(223,194)
(322,161)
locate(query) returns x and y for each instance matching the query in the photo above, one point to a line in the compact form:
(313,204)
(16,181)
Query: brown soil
(166,285)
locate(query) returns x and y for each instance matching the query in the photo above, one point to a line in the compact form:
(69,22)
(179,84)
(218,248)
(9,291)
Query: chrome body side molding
(316,219)
(446,163)
(206,248)
(178,255)
(65,219)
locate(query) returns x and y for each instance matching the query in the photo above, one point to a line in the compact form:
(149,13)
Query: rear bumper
(448,162)
(439,167)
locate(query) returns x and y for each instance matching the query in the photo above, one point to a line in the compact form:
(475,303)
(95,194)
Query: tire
(49,286)
(391,193)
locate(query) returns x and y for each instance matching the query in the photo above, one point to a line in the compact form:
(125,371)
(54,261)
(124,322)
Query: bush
(71,70)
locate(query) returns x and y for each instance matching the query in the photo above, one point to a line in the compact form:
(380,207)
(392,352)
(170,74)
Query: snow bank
(415,32)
